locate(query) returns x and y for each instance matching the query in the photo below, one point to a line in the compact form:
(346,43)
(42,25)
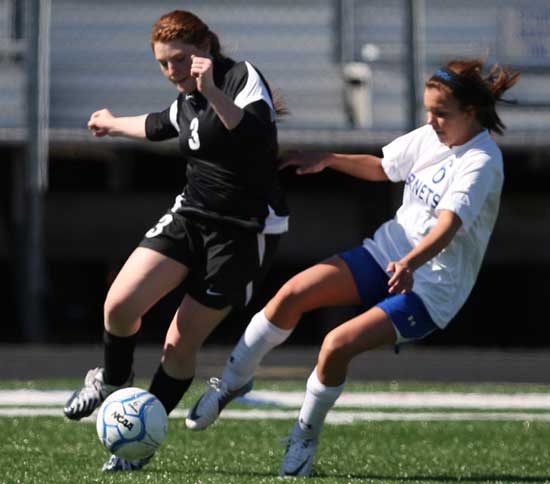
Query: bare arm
(103,123)
(366,167)
(229,113)
(439,237)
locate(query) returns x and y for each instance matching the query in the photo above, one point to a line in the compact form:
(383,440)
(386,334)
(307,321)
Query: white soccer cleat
(84,401)
(212,402)
(299,456)
(118,464)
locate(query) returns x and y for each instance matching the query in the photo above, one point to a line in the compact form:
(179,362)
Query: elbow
(381,174)
(232,122)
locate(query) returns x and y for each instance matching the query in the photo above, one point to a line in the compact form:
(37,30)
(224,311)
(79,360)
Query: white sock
(260,337)
(318,401)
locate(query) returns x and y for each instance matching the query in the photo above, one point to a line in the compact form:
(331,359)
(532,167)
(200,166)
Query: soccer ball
(132,423)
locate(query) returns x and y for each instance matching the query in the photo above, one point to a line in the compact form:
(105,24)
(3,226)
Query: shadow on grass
(420,478)
(249,475)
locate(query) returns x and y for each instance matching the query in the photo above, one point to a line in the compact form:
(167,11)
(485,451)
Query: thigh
(371,280)
(366,331)
(329,283)
(145,278)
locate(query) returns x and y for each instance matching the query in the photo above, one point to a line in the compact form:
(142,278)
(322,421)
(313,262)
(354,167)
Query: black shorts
(226,263)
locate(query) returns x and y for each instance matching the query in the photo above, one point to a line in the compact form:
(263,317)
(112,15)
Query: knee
(335,347)
(291,297)
(116,314)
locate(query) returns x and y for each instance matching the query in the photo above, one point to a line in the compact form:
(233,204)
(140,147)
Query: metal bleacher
(510,32)
(100,57)
(12,75)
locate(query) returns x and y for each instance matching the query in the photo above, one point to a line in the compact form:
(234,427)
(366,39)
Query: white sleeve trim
(275,224)
(390,166)
(174,115)
(254,90)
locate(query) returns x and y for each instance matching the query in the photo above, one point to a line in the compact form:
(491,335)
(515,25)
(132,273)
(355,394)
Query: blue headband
(449,77)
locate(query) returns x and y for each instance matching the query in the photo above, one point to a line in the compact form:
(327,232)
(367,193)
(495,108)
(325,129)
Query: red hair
(186,27)
(190,29)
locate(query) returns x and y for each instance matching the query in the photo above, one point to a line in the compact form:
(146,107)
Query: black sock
(167,389)
(118,357)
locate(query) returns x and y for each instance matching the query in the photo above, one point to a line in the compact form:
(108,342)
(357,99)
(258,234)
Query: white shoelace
(217,384)
(216,390)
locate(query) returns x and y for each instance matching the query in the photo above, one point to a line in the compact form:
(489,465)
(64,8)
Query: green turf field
(45,450)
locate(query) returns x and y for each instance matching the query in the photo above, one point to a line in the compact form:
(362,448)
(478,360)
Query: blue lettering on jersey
(442,172)
(423,191)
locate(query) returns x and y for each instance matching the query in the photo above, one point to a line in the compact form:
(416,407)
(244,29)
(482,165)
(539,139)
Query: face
(174,58)
(452,125)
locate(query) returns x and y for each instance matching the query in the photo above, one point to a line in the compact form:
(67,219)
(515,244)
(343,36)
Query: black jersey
(231,174)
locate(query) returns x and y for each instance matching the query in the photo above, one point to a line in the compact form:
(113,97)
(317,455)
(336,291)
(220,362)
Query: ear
(205,46)
(470,112)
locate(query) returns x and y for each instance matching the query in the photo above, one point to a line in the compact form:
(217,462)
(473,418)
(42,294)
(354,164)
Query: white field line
(339,417)
(479,401)
(486,401)
(35,403)
(335,417)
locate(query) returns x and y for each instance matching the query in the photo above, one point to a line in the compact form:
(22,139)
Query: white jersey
(466,180)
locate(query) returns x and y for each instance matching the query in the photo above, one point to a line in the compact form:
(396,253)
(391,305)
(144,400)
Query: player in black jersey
(221,233)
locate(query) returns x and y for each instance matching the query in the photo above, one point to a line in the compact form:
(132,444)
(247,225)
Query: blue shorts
(407,312)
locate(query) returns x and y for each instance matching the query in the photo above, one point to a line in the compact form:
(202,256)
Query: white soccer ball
(132,423)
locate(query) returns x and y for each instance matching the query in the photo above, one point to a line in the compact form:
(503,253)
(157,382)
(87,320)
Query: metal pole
(35,184)
(350,29)
(337,49)
(345,26)
(413,15)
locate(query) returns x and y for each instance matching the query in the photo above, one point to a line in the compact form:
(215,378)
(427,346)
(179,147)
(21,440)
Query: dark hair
(187,27)
(463,79)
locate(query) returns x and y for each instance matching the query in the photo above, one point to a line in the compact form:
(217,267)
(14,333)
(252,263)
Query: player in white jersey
(416,271)
(221,232)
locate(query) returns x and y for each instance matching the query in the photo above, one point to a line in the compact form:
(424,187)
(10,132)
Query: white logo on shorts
(412,322)
(211,292)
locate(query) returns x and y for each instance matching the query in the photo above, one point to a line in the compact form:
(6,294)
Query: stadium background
(351,73)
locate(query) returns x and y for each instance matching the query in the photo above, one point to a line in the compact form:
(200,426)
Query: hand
(402,280)
(101,123)
(307,162)
(202,69)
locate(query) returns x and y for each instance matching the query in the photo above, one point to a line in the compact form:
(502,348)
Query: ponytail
(500,79)
(463,79)
(215,47)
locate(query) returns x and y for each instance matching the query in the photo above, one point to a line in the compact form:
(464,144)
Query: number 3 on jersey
(159,227)
(194,141)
